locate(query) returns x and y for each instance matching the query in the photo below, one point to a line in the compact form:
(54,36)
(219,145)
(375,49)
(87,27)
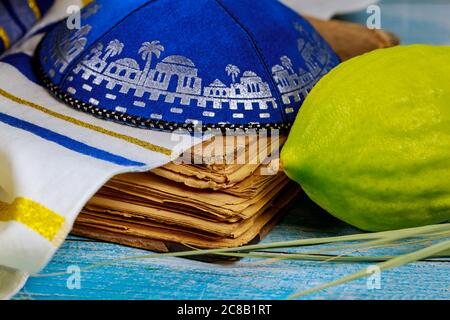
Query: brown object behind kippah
(350,39)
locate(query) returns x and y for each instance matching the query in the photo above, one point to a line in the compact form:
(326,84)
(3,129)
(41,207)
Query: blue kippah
(168,64)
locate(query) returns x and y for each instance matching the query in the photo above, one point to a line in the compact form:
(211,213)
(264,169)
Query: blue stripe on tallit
(68,143)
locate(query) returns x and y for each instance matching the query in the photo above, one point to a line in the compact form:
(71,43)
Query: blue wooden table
(176,278)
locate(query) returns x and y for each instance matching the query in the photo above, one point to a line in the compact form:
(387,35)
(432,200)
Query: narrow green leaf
(392,263)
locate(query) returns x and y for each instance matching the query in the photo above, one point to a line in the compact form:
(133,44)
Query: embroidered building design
(68,47)
(294,85)
(174,80)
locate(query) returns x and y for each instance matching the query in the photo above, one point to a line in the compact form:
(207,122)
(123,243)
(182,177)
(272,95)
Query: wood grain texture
(414,21)
(175,278)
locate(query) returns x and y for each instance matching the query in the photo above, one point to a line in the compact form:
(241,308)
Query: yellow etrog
(371,143)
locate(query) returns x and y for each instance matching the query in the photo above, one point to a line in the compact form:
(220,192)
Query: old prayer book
(185,205)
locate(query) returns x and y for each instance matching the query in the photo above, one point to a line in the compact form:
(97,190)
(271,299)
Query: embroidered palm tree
(233,71)
(114,48)
(96,51)
(299,27)
(147,50)
(287,63)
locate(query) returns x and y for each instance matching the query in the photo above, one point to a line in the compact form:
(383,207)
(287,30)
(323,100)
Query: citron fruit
(371,143)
